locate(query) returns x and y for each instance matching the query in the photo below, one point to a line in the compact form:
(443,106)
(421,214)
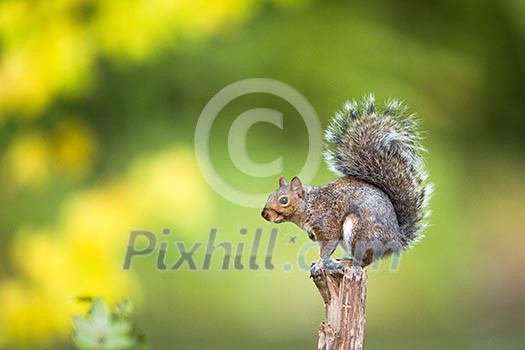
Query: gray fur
(382,146)
(383,189)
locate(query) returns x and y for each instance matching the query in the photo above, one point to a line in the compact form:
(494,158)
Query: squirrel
(378,206)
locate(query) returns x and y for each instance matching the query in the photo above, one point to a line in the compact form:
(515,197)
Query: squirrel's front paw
(330,264)
(327,264)
(316,267)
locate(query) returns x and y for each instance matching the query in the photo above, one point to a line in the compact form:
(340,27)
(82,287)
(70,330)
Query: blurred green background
(98,106)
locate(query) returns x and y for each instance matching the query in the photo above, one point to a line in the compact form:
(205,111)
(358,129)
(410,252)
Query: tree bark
(344,296)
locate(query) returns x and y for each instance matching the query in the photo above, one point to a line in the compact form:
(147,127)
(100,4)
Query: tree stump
(344,296)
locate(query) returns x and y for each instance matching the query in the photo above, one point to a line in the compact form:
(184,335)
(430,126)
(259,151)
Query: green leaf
(102,330)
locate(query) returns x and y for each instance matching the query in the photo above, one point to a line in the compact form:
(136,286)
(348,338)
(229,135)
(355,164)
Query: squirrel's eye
(283,200)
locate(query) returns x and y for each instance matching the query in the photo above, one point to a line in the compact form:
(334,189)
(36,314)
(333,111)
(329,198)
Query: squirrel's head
(283,203)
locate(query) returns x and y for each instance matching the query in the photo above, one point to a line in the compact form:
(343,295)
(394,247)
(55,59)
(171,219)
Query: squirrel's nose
(264,213)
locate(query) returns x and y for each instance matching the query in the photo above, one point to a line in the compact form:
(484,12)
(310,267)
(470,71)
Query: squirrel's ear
(282,181)
(297,187)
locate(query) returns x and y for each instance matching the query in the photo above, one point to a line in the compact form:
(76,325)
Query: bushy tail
(381,145)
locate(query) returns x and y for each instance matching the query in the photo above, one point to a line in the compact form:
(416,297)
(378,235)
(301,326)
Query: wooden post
(344,296)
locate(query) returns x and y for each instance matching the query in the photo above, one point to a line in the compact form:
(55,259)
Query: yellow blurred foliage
(28,159)
(20,317)
(50,47)
(45,52)
(33,157)
(166,188)
(73,149)
(83,255)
